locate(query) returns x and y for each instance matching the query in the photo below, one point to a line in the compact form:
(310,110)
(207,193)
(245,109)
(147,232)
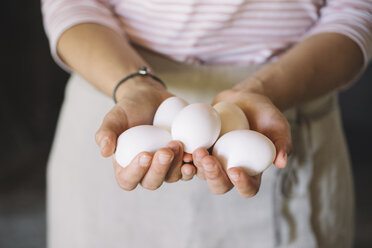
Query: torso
(239,32)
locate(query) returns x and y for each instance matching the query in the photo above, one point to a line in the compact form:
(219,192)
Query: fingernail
(187,158)
(174,146)
(103,143)
(285,156)
(164,158)
(234,176)
(144,160)
(188,171)
(208,167)
(198,158)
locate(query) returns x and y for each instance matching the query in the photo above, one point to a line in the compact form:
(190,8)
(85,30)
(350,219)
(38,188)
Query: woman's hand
(263,117)
(138,100)
(310,69)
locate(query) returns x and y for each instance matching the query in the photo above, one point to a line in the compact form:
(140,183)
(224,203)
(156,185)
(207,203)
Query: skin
(312,68)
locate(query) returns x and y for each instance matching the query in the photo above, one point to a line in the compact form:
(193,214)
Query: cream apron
(308,204)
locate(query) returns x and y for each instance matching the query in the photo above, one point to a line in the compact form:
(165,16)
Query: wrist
(140,80)
(274,83)
(143,85)
(251,85)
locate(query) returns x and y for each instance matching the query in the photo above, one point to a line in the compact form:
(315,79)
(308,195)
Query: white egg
(138,139)
(245,148)
(167,111)
(232,117)
(197,125)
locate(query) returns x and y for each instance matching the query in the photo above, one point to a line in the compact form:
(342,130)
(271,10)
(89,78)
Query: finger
(283,145)
(246,185)
(187,158)
(155,176)
(197,157)
(281,137)
(129,177)
(188,171)
(114,123)
(281,157)
(174,173)
(217,180)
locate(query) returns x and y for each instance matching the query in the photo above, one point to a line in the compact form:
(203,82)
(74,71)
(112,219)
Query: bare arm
(99,54)
(313,68)
(103,57)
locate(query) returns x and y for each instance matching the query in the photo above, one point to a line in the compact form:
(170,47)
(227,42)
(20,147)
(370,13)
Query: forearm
(314,67)
(99,54)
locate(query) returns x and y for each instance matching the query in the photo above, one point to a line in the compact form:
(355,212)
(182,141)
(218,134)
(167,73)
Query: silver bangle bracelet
(143,72)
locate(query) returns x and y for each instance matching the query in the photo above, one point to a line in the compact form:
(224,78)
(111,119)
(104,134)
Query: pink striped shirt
(239,32)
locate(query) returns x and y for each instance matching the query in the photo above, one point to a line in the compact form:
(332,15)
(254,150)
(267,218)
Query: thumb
(283,149)
(114,123)
(280,134)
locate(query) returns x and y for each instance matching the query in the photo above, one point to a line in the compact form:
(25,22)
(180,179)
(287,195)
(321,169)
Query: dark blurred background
(31,92)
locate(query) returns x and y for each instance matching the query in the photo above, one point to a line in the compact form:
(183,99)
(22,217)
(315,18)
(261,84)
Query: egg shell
(144,138)
(197,125)
(245,148)
(232,117)
(167,111)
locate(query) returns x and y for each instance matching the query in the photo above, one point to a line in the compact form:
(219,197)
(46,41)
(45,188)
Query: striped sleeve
(352,18)
(60,15)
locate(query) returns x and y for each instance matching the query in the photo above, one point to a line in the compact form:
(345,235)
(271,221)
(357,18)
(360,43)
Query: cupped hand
(263,117)
(219,181)
(151,170)
(137,103)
